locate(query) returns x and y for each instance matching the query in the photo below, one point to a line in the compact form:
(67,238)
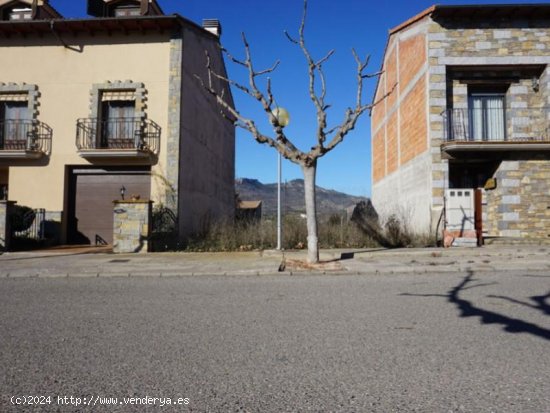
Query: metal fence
(118,133)
(497,125)
(25,135)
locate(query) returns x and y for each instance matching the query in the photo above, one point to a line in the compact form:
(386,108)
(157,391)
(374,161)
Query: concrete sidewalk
(92,262)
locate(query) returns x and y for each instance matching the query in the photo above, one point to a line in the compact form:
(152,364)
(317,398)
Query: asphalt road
(461,342)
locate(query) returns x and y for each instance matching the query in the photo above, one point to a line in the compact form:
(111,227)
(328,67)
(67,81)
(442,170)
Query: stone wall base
(131,226)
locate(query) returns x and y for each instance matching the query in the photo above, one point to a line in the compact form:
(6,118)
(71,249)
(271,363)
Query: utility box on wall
(459,210)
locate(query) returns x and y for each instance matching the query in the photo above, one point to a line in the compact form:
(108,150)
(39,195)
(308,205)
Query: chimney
(213,26)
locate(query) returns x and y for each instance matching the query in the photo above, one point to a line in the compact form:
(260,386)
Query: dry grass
(334,232)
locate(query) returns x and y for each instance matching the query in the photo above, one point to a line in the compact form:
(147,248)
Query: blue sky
(331,24)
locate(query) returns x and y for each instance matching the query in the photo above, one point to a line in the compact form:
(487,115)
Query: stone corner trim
(131,226)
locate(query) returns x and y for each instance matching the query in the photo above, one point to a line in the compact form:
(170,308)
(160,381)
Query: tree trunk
(310,173)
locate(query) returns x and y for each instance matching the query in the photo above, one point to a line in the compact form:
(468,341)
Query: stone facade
(173,137)
(463,56)
(29,93)
(136,89)
(520,204)
(465,49)
(151,62)
(5,231)
(132,226)
(525,108)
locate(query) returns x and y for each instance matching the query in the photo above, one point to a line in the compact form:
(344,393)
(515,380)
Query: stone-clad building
(469,108)
(107,106)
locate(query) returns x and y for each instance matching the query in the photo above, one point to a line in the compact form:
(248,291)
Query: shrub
(21,218)
(396,233)
(262,234)
(392,234)
(164,227)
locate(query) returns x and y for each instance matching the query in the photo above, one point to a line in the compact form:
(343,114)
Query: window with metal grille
(118,124)
(15,123)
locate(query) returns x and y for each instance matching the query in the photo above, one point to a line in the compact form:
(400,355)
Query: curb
(374,272)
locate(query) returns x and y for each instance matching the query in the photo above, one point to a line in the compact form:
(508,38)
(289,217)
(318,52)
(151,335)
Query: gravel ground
(455,342)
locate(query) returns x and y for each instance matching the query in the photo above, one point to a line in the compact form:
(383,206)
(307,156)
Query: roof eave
(105,23)
(414,19)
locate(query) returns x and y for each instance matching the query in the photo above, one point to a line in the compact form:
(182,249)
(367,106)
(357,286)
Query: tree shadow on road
(539,302)
(510,325)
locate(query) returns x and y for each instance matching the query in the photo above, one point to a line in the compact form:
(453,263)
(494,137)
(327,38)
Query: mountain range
(292,197)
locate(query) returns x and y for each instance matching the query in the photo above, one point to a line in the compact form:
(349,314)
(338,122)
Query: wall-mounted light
(535,83)
(491,183)
(122,192)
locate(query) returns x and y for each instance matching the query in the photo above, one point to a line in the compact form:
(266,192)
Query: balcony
(24,139)
(496,131)
(134,138)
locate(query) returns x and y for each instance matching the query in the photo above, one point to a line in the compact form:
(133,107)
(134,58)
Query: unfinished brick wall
(412,56)
(398,124)
(413,123)
(391,77)
(379,111)
(379,156)
(392,148)
(400,154)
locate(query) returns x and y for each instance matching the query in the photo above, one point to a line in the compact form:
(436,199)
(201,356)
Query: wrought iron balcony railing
(118,133)
(519,125)
(25,136)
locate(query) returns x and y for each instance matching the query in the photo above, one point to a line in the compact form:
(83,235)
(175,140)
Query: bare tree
(327,139)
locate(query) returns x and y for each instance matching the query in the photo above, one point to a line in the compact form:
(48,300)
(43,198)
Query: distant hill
(292,197)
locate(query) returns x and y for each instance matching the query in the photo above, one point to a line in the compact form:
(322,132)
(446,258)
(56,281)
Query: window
(116,116)
(487,118)
(20,14)
(118,123)
(127,11)
(15,124)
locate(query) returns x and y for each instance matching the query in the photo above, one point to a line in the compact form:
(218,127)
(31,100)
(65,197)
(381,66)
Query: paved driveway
(453,342)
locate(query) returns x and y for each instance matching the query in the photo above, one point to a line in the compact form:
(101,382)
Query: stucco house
(468,109)
(98,108)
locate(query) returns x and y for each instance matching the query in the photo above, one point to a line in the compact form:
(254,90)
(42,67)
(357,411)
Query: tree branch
(317,87)
(271,69)
(233,59)
(314,68)
(281,143)
(352,115)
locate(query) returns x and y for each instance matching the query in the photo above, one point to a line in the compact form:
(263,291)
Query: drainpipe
(73,48)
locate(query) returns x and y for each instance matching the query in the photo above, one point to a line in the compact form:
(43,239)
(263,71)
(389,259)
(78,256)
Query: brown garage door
(91,195)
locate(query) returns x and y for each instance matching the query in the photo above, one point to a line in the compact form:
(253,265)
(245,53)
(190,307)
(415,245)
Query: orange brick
(391,156)
(379,110)
(413,123)
(378,156)
(412,56)
(391,78)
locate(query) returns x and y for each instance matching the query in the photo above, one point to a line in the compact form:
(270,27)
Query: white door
(459,205)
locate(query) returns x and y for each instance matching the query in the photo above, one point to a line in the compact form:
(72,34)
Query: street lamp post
(283,118)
